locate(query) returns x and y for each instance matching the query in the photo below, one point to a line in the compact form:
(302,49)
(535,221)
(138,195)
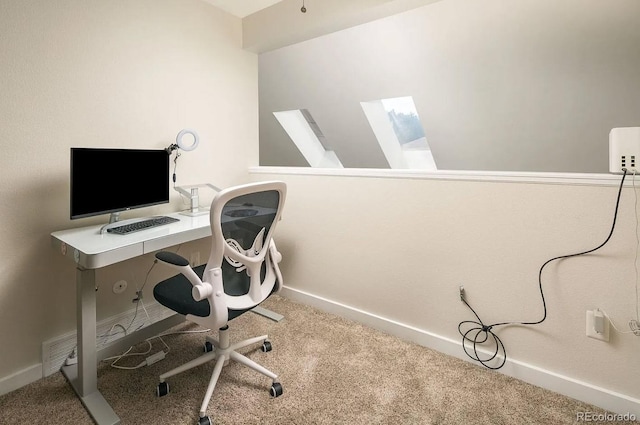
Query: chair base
(221,351)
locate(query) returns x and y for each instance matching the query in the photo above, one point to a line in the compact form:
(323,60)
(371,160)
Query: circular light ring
(187,147)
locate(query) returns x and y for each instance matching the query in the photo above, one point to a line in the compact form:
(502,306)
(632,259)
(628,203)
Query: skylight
(396,125)
(308,138)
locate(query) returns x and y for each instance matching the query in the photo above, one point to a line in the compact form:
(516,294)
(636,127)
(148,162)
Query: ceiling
(242,8)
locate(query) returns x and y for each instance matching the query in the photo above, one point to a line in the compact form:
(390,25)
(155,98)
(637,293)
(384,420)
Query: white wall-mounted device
(624,149)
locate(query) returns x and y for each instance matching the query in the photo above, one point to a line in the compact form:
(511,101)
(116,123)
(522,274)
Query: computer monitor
(107,181)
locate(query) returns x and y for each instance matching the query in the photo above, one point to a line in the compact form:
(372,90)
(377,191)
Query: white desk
(90,250)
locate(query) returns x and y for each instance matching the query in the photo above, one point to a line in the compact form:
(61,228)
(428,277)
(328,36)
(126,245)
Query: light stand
(190,192)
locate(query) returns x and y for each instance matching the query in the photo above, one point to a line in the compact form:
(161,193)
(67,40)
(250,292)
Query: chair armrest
(172,259)
(181,264)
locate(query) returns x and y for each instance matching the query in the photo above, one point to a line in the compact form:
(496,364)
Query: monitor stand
(114,217)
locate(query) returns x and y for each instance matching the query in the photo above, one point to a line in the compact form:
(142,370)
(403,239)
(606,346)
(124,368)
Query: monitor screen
(111,180)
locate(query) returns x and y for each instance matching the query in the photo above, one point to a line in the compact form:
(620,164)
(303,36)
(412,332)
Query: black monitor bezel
(73,193)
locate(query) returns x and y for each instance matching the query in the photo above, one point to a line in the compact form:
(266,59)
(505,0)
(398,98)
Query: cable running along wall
(475,333)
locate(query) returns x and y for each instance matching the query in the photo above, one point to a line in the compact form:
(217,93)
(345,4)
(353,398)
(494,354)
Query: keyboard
(142,225)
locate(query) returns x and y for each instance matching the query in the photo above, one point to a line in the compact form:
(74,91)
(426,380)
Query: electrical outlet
(597,325)
(624,149)
(194,259)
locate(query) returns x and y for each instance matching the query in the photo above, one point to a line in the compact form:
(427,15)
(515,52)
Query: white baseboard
(55,351)
(20,378)
(609,400)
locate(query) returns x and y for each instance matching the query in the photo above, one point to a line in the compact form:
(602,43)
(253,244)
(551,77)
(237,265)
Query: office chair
(242,271)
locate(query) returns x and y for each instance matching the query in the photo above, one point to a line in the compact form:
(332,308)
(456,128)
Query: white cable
(145,309)
(165,344)
(146,278)
(614,325)
(144,353)
(110,333)
(635,263)
(126,330)
(128,353)
(184,332)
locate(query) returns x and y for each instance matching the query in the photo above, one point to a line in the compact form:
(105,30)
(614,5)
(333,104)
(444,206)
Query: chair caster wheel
(276,389)
(205,420)
(208,347)
(162,389)
(266,346)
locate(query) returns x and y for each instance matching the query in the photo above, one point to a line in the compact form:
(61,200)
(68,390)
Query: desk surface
(90,249)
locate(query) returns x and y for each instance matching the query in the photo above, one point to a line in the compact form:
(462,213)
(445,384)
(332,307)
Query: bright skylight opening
(396,125)
(308,138)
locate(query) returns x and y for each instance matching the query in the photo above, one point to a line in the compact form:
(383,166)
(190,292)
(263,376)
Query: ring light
(184,146)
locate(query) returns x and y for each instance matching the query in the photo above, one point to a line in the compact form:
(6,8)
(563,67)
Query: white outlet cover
(119,287)
(591,330)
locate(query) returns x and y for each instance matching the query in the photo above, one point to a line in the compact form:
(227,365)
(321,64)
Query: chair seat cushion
(175,292)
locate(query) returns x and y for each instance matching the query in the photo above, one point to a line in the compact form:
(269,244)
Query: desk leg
(84,378)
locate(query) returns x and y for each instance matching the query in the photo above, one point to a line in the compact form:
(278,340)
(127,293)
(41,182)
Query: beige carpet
(333,371)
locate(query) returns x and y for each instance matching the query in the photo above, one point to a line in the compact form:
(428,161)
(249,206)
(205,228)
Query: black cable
(479,333)
(175,167)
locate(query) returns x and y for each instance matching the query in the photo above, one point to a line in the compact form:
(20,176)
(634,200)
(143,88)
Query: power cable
(478,333)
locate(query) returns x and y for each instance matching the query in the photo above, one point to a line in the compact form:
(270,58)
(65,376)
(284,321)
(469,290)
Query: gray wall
(526,85)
